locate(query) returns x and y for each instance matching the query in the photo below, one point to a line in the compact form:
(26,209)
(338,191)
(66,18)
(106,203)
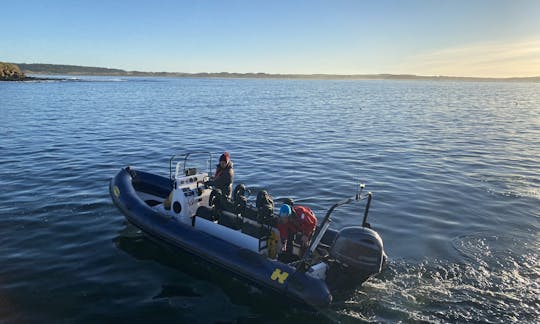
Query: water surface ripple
(454,168)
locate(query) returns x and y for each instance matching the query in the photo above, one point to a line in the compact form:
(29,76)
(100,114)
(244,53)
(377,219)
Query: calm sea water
(454,168)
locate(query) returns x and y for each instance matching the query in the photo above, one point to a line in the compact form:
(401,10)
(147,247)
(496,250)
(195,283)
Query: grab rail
(326,224)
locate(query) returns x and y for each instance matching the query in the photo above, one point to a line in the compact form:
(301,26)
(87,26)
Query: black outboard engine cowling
(360,249)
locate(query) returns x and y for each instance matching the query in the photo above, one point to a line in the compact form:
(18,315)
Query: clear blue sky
(429,37)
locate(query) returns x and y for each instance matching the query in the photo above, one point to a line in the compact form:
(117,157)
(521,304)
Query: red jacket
(305,222)
(224,178)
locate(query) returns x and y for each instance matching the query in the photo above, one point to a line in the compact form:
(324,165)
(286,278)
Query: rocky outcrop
(11,72)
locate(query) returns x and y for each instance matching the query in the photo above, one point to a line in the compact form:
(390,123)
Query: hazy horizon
(270,74)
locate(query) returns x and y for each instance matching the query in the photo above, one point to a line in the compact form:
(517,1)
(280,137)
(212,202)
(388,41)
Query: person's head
(285,213)
(224,159)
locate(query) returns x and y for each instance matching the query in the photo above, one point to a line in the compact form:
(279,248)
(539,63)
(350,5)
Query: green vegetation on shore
(54,69)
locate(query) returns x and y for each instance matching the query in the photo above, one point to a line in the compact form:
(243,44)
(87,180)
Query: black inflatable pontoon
(186,212)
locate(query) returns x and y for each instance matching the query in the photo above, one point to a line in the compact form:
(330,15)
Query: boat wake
(495,281)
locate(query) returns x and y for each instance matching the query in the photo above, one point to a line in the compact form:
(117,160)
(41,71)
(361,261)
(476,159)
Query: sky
(483,38)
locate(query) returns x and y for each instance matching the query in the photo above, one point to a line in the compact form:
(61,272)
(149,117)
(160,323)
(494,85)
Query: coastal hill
(54,69)
(10,72)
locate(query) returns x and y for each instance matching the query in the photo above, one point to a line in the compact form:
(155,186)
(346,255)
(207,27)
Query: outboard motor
(360,250)
(356,253)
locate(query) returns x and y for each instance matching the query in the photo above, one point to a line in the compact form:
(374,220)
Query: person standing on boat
(224,176)
(293,221)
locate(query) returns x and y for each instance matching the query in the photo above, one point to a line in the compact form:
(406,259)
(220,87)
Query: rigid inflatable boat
(185,211)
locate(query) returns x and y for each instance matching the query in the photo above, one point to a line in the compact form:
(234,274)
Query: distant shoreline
(55,69)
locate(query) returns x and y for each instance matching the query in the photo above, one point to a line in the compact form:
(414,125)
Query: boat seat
(247,212)
(230,220)
(273,221)
(250,213)
(227,205)
(205,212)
(254,230)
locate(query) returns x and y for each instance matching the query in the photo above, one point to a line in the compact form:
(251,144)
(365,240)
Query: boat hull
(243,263)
